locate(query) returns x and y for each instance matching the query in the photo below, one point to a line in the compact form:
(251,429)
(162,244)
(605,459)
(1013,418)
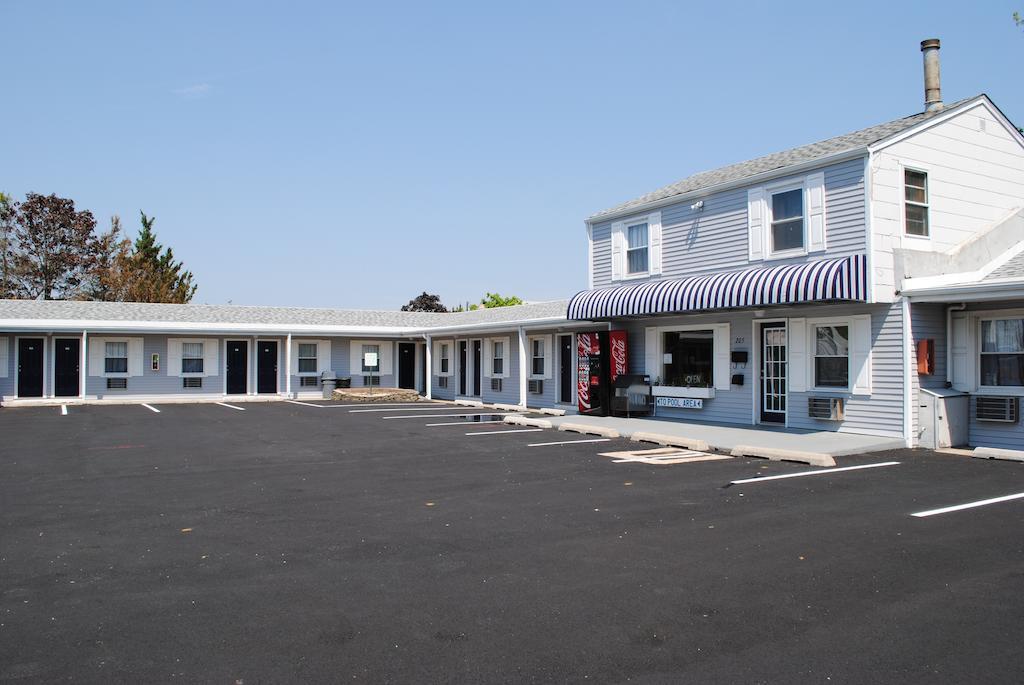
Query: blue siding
(715,239)
(157,383)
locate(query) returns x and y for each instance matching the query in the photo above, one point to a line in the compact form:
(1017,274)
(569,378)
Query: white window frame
(770,192)
(496,345)
(193,374)
(299,358)
(128,353)
(626,273)
(812,354)
(721,349)
(444,359)
(364,370)
(927,202)
(1010,314)
(532,357)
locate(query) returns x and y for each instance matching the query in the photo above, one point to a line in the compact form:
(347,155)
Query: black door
(477,367)
(66,361)
(567,371)
(407,365)
(266,366)
(463,359)
(30,367)
(238,367)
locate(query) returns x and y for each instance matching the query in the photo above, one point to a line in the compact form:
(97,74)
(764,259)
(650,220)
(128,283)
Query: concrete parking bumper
(775,454)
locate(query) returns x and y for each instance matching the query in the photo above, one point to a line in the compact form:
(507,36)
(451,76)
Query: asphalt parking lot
(286,542)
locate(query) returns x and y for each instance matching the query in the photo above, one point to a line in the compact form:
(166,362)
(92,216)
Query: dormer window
(787,227)
(915,202)
(636,249)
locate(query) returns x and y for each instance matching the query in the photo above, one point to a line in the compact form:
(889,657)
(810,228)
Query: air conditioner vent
(307,381)
(442,381)
(997,409)
(192,382)
(496,384)
(826,408)
(117,383)
(536,387)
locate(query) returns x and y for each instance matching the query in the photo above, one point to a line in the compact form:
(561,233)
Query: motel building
(871,283)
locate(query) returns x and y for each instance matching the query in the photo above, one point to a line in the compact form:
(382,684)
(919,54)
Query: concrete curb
(507,407)
(524,421)
(997,453)
(552,412)
(775,454)
(469,403)
(589,430)
(671,441)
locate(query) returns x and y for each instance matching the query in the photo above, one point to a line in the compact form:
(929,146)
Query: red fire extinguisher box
(601,358)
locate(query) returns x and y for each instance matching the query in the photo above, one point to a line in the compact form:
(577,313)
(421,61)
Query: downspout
(949,340)
(288,366)
(428,365)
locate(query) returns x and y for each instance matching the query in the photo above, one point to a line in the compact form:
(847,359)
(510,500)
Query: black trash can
(329,382)
(344,382)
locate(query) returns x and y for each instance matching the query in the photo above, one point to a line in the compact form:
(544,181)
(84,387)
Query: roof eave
(833,158)
(1004,289)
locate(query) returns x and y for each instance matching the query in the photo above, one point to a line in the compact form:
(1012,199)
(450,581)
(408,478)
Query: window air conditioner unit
(496,384)
(442,381)
(536,387)
(997,409)
(826,408)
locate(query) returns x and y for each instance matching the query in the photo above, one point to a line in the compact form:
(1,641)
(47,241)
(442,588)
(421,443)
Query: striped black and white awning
(822,281)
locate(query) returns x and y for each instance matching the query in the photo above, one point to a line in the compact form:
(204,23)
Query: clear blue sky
(354,155)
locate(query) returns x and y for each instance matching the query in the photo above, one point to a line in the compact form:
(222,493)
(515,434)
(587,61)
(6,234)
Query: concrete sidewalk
(728,438)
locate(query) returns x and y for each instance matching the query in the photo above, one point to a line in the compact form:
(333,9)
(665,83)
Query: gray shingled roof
(778,160)
(1011,269)
(205,315)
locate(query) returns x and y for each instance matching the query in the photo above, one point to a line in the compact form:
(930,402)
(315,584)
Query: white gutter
(781,172)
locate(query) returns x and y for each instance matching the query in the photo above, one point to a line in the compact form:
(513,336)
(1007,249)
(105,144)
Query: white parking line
(567,442)
(151,408)
(439,416)
(969,505)
(63,410)
(230,406)
(521,430)
(304,404)
(433,408)
(815,473)
(349,406)
(458,423)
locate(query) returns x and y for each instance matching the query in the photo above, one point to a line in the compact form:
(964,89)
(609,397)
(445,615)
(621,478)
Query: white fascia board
(1000,289)
(211,328)
(981,100)
(510,326)
(756,179)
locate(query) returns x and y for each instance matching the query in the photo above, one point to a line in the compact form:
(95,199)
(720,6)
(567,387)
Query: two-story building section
(811,288)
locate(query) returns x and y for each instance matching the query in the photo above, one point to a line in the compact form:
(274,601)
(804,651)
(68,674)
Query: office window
(787,229)
(636,248)
(116,357)
(915,196)
(1002,352)
(688,359)
(307,358)
(831,356)
(191,358)
(537,357)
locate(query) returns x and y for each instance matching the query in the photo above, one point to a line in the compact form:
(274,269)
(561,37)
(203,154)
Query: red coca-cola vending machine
(601,358)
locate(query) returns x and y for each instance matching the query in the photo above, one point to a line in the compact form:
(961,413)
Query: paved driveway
(290,542)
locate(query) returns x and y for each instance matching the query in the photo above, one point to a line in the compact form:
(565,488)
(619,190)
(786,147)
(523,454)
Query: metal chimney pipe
(932,78)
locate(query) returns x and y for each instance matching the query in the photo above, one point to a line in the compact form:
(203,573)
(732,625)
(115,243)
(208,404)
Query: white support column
(428,352)
(288,366)
(522,367)
(81,365)
(908,369)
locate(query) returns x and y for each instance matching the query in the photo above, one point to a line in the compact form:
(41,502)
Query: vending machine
(601,358)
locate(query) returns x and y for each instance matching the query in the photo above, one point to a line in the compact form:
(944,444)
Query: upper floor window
(192,357)
(915,202)
(115,357)
(1002,352)
(787,221)
(307,357)
(636,248)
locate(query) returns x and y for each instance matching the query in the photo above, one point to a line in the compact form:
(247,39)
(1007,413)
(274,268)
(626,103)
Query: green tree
(149,272)
(495,300)
(52,247)
(111,252)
